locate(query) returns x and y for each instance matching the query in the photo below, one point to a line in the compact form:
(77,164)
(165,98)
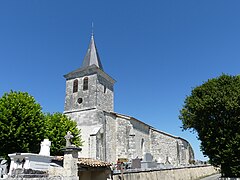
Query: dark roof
(92,56)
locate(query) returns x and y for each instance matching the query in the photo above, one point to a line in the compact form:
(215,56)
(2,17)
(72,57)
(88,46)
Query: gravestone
(148,162)
(45,147)
(3,167)
(148,157)
(21,162)
(136,163)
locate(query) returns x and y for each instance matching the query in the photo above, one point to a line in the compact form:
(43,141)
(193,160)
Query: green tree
(22,124)
(213,111)
(57,127)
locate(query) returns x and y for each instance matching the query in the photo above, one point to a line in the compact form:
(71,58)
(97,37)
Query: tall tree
(213,111)
(57,127)
(22,124)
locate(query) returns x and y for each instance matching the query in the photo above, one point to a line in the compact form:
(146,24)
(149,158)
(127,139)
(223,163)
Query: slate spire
(92,56)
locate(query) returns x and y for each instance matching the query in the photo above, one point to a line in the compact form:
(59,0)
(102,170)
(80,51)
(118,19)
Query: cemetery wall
(31,178)
(188,173)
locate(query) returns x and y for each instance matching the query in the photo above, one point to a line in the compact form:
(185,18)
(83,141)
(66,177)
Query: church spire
(92,56)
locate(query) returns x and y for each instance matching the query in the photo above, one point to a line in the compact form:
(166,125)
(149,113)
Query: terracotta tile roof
(93,162)
(87,162)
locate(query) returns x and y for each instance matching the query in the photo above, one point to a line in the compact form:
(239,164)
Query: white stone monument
(45,147)
(3,167)
(32,161)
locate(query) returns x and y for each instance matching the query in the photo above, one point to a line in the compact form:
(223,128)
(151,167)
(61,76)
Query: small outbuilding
(91,169)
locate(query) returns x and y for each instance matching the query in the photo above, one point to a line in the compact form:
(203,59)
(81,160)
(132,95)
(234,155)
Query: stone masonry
(107,135)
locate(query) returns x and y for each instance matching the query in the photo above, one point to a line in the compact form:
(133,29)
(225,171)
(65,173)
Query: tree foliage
(57,127)
(213,111)
(23,125)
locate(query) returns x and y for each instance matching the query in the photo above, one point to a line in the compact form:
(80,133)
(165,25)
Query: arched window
(75,85)
(85,83)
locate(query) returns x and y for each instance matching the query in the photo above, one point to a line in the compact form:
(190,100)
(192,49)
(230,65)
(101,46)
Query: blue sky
(156,50)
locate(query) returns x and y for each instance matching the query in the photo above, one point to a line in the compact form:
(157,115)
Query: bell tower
(89,87)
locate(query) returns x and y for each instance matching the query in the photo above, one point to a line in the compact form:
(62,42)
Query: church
(110,136)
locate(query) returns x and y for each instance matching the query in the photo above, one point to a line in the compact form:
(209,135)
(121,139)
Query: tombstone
(148,162)
(148,157)
(136,163)
(3,167)
(45,147)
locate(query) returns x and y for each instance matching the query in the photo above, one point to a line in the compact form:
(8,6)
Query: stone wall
(45,178)
(104,94)
(88,96)
(127,137)
(185,151)
(122,137)
(108,135)
(132,138)
(173,174)
(98,95)
(90,122)
(189,173)
(164,148)
(111,138)
(140,133)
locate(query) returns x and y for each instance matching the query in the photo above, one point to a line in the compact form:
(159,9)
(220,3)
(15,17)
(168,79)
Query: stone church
(108,135)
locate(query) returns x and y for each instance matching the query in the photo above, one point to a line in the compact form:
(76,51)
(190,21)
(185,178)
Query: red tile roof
(93,162)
